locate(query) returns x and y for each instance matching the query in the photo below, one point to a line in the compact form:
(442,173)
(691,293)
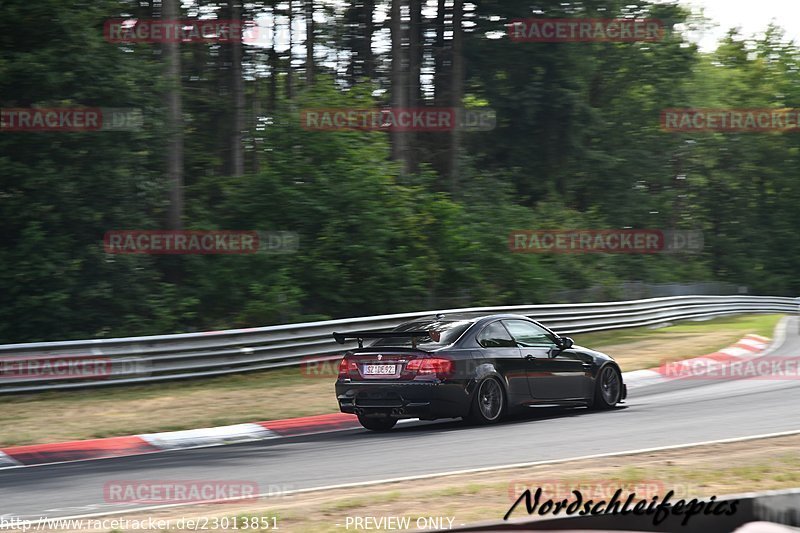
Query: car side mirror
(565,343)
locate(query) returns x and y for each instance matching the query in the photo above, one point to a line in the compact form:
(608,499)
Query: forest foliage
(387,222)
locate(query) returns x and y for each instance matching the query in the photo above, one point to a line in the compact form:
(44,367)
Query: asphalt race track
(659,415)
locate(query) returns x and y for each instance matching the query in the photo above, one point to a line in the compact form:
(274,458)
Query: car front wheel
(608,388)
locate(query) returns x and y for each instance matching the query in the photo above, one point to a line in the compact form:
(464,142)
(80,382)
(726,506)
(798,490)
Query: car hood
(593,353)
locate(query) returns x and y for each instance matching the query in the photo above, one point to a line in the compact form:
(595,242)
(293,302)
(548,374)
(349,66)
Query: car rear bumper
(414,399)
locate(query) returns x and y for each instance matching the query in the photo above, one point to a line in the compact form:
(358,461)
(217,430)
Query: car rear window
(448,332)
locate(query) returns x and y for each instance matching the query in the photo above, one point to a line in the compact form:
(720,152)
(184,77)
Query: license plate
(379,370)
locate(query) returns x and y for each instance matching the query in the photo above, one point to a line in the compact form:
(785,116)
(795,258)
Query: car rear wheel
(375,423)
(489,403)
(608,388)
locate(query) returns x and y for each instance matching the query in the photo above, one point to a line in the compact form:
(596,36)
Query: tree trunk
(237,90)
(254,125)
(414,53)
(357,39)
(440,85)
(399,85)
(414,71)
(457,92)
(273,62)
(369,30)
(174,123)
(289,77)
(440,144)
(309,8)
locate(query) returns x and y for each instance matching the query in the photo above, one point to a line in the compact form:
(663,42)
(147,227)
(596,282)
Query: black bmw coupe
(478,368)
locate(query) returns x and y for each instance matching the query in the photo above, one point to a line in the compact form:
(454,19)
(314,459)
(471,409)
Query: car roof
(468,317)
(476,320)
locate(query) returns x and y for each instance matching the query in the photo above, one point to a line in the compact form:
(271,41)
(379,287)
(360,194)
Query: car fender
(608,363)
(483,371)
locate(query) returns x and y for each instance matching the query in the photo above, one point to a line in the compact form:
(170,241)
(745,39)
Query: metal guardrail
(135,360)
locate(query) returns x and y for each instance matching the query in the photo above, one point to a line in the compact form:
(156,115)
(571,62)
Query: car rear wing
(361,335)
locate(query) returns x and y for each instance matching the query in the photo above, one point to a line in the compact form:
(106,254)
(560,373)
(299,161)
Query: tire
(374,423)
(489,404)
(607,388)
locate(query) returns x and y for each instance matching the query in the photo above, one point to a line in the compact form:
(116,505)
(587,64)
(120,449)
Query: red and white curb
(60,452)
(38,454)
(749,347)
(6,461)
(191,438)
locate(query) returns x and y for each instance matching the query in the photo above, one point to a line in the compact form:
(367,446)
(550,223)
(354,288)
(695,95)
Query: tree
(174,122)
(309,15)
(399,79)
(457,91)
(237,95)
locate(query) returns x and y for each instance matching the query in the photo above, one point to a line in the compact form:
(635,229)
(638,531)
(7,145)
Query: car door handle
(529,357)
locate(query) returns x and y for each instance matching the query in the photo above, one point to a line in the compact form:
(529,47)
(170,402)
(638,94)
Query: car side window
(528,334)
(495,336)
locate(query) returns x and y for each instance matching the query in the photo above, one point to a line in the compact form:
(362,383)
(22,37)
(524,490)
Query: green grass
(355,503)
(253,380)
(758,324)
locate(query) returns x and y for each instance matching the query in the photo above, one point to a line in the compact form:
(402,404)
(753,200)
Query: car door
(553,374)
(498,346)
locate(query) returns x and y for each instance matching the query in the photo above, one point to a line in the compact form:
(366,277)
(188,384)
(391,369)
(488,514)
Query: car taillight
(346,366)
(437,366)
